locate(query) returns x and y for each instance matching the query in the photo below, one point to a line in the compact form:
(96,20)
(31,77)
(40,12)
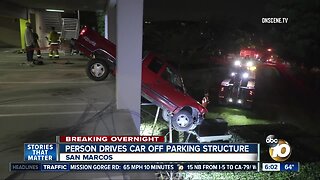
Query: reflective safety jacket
(53,37)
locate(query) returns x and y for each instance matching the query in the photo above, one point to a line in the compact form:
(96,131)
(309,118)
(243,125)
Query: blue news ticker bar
(66,167)
(283,166)
(55,167)
(289,166)
(155,148)
(40,152)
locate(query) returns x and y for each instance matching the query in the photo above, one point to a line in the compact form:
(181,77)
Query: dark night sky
(239,10)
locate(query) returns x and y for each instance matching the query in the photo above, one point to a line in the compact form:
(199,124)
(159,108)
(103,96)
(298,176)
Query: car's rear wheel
(97,69)
(183,121)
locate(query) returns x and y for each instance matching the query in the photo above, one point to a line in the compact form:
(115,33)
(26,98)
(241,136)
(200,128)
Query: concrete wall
(9,32)
(10,24)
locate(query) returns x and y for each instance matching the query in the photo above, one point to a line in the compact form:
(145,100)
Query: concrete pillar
(129,55)
(110,22)
(40,29)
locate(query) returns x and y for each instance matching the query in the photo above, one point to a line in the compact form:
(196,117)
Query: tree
(183,42)
(100,22)
(299,39)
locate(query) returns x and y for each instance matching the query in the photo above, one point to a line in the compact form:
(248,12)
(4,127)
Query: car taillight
(83,31)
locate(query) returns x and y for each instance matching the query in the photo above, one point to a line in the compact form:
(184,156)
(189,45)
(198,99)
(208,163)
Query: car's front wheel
(183,121)
(97,69)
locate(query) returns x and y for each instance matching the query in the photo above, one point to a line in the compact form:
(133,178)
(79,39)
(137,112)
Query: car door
(152,83)
(170,86)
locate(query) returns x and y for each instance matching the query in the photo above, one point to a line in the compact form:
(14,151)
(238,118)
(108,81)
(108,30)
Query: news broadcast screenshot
(160,89)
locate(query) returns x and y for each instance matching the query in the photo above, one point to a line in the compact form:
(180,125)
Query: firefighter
(54,43)
(205,99)
(36,44)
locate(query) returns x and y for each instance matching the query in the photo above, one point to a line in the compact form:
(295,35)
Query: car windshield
(171,76)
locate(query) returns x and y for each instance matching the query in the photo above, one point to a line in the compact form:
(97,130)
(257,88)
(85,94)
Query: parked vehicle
(161,84)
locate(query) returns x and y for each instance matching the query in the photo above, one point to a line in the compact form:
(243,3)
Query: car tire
(165,115)
(183,121)
(97,70)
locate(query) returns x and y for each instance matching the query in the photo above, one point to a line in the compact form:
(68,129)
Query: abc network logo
(279,149)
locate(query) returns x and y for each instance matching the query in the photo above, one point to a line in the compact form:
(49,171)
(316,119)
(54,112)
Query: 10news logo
(279,149)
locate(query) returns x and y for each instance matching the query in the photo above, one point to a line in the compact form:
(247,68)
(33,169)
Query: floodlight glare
(237,63)
(249,63)
(245,75)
